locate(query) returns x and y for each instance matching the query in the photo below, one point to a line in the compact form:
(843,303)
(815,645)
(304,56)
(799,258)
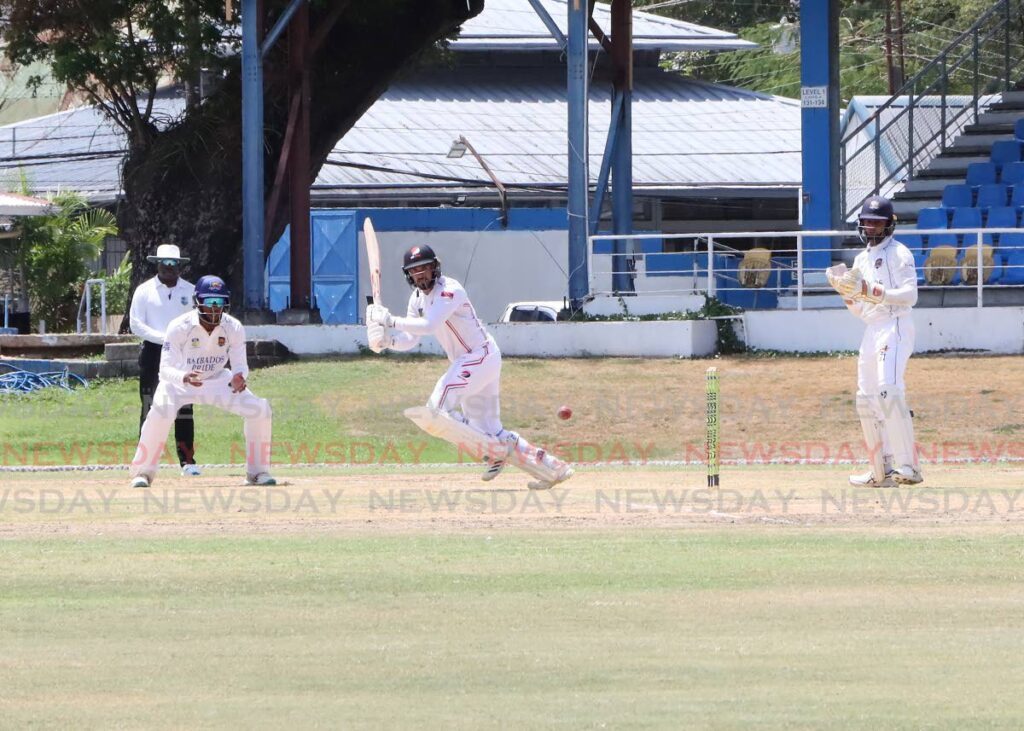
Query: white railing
(86,304)
(695,270)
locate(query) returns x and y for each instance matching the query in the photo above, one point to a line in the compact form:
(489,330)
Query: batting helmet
(418,256)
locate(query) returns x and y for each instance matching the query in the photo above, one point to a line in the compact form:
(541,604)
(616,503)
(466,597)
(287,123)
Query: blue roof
(514,25)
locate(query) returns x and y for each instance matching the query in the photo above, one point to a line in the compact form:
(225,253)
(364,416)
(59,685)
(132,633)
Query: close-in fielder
(194,370)
(155,303)
(464,408)
(881,289)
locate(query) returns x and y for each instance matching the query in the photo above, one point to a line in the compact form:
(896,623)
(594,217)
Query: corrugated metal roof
(80,149)
(685,133)
(12,204)
(514,25)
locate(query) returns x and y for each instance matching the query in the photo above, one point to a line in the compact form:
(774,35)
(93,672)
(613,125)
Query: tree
(182,177)
(723,15)
(929,26)
(54,254)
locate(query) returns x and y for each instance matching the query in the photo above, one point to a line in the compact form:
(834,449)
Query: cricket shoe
(494,468)
(496,464)
(140,481)
(563,474)
(907,475)
(263,479)
(868,480)
(190,470)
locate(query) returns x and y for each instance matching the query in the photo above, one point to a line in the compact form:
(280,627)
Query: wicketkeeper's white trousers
(885,351)
(216,391)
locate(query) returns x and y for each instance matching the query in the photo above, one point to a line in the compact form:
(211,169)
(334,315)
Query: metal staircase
(945,117)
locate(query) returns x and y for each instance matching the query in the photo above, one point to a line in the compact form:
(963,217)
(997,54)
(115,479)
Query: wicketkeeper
(881,289)
(197,350)
(464,407)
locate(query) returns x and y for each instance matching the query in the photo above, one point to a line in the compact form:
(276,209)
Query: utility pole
(888,48)
(901,76)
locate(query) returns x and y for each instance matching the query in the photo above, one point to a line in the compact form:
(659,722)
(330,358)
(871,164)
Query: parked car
(532,312)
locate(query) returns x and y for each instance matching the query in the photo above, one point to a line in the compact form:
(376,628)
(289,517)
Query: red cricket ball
(564,412)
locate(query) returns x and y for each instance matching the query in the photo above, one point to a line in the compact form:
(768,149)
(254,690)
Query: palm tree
(55,252)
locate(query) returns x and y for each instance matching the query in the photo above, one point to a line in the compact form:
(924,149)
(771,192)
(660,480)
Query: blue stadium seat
(1017,195)
(919,259)
(1005,151)
(992,194)
(914,242)
(1009,243)
(981,173)
(966,218)
(1018,129)
(1013,172)
(1001,217)
(936,217)
(943,240)
(958,196)
(1014,272)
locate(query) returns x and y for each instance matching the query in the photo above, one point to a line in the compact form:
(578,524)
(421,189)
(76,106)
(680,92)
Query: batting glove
(379,314)
(377,337)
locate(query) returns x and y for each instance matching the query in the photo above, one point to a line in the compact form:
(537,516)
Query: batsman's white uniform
(472,383)
(188,347)
(473,379)
(885,349)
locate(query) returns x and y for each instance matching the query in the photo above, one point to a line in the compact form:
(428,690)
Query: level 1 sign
(814,97)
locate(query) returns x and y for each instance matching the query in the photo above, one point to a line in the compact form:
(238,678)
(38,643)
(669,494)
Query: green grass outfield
(668,629)
(346,410)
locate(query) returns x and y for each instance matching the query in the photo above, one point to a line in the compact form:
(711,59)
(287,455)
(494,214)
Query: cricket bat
(372,261)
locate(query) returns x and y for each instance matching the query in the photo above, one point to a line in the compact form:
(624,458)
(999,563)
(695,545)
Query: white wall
(496,267)
(667,338)
(996,329)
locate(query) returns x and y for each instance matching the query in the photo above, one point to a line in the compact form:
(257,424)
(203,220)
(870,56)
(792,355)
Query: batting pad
(873,437)
(441,425)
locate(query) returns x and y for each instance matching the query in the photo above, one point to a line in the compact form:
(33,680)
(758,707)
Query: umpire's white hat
(167,251)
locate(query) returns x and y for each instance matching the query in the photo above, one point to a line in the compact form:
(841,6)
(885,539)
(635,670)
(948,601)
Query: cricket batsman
(881,289)
(194,369)
(464,407)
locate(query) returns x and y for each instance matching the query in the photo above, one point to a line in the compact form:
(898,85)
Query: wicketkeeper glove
(834,274)
(854,286)
(379,314)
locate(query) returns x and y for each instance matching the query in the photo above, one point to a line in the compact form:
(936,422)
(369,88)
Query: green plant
(54,252)
(118,286)
(728,341)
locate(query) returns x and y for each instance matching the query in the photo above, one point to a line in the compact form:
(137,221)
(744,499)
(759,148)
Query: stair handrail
(941,61)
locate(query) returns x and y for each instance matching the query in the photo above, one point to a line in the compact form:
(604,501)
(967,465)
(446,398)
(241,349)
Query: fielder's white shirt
(892,265)
(154,305)
(189,347)
(447,314)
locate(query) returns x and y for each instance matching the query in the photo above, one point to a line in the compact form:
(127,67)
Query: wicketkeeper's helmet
(876,208)
(418,256)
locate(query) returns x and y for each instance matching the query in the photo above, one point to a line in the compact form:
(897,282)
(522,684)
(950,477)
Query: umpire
(155,303)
